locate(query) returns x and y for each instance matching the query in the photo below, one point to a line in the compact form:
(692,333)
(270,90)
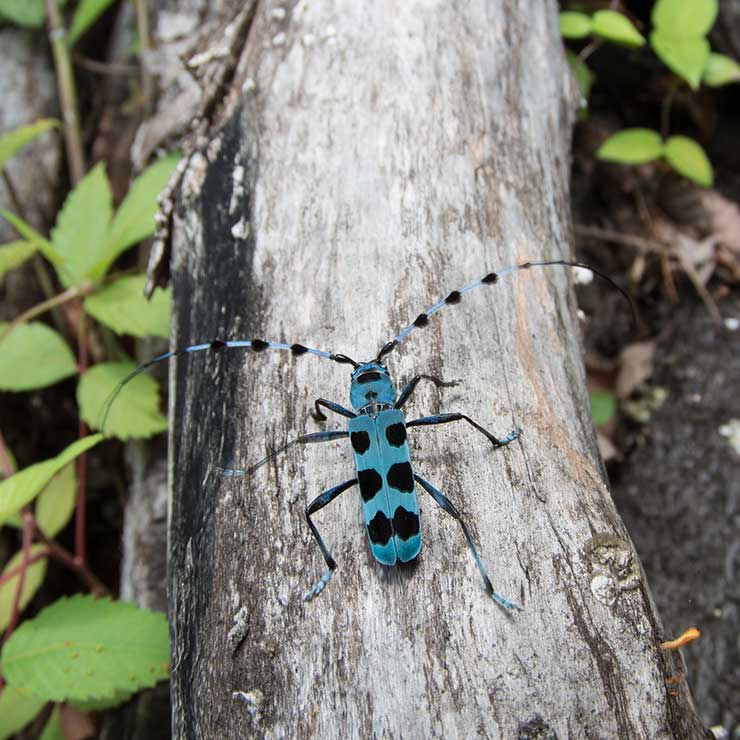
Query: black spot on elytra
(360,442)
(396,434)
(298,349)
(421,320)
(405,523)
(492,277)
(401,477)
(259,344)
(370,483)
(368,377)
(217,344)
(380,529)
(453,297)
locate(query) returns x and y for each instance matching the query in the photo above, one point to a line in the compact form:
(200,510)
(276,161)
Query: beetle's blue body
(383,464)
(377,431)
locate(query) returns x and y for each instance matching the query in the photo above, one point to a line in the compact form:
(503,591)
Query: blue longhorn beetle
(377,432)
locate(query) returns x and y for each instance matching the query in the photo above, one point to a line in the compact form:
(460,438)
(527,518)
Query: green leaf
(35,574)
(584,76)
(56,503)
(28,13)
(123,307)
(14,254)
(135,411)
(53,728)
(632,146)
(16,139)
(684,17)
(616,27)
(574,25)
(102,705)
(134,220)
(685,56)
(33,236)
(721,70)
(33,356)
(603,406)
(17,708)
(688,158)
(82,224)
(87,12)
(20,489)
(82,648)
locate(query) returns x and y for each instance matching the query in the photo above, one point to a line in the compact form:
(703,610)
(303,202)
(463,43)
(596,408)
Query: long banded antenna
(256,345)
(492,277)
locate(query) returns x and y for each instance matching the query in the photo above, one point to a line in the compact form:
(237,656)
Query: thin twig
(78,291)
(103,68)
(701,289)
(28,527)
(82,571)
(11,574)
(81,508)
(665,110)
(608,235)
(67,92)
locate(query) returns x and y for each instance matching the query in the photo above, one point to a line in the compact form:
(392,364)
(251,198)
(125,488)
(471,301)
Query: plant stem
(665,110)
(81,509)
(28,527)
(67,92)
(78,291)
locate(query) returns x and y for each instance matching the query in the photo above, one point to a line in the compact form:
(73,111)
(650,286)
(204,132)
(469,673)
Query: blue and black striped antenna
(492,277)
(256,345)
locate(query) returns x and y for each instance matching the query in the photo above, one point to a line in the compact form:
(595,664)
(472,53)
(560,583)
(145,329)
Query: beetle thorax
(371,387)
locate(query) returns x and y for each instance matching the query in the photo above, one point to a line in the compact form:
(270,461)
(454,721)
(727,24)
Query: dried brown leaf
(635,366)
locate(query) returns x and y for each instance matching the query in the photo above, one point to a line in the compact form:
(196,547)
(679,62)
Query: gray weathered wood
(384,154)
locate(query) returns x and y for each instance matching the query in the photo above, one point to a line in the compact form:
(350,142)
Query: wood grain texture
(384,154)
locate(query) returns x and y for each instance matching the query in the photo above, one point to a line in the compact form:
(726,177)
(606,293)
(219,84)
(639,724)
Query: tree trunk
(382,156)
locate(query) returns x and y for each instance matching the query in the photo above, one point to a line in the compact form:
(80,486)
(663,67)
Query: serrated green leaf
(14,254)
(33,356)
(135,412)
(616,27)
(17,709)
(16,139)
(87,12)
(632,146)
(53,728)
(584,76)
(102,705)
(33,236)
(134,220)
(82,648)
(82,225)
(56,503)
(28,13)
(574,25)
(35,575)
(603,406)
(721,70)
(685,56)
(123,307)
(20,489)
(684,17)
(689,159)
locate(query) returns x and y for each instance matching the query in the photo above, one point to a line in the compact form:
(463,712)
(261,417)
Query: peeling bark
(382,155)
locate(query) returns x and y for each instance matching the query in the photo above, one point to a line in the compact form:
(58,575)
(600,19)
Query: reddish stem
(81,509)
(28,527)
